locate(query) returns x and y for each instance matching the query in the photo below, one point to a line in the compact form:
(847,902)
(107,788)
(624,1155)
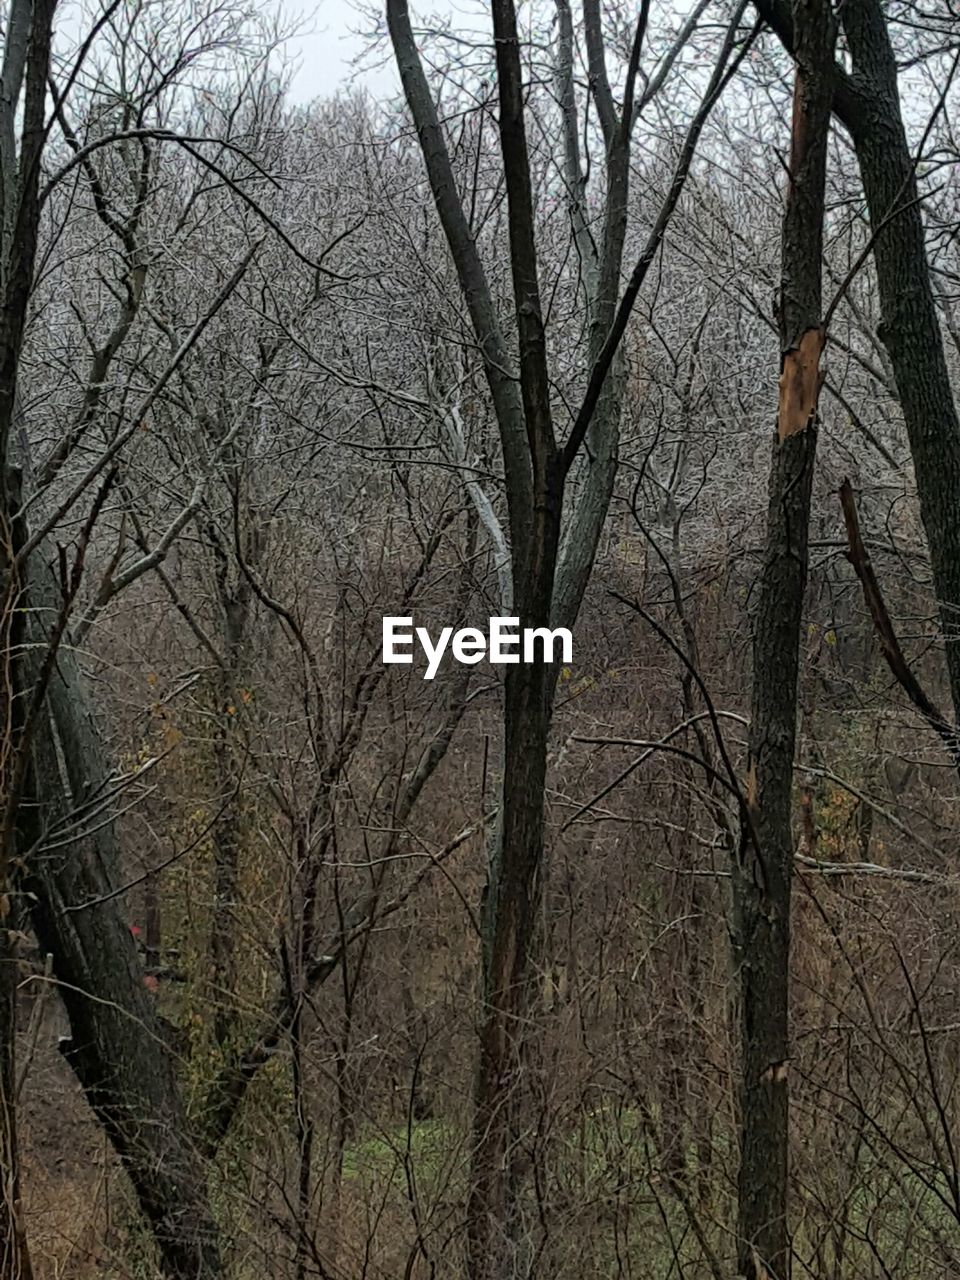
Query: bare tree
(552,550)
(866,100)
(23,77)
(763,869)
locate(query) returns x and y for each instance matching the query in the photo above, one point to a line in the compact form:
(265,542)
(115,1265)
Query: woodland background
(245,413)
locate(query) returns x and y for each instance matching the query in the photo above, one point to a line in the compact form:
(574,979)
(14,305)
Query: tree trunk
(227,833)
(762,872)
(535,470)
(117,1049)
(867,101)
(14,1256)
(24,68)
(510,921)
(14,1261)
(910,327)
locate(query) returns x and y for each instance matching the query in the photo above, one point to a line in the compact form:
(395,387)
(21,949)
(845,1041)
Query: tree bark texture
(867,101)
(117,1049)
(763,868)
(14,1253)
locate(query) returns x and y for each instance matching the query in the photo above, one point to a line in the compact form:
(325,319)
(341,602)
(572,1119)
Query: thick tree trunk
(14,1255)
(14,1259)
(867,101)
(910,327)
(763,870)
(510,922)
(117,1049)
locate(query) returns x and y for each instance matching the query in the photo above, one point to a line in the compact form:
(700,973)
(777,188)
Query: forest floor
(66,1160)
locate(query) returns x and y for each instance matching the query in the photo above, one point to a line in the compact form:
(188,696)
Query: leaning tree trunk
(763,869)
(909,328)
(117,1047)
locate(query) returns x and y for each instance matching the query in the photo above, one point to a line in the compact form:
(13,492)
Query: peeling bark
(762,870)
(800,383)
(867,101)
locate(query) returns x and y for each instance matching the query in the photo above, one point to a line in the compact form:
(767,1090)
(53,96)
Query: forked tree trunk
(549,578)
(763,870)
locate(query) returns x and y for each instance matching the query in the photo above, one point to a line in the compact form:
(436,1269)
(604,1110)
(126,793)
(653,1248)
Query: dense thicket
(307,970)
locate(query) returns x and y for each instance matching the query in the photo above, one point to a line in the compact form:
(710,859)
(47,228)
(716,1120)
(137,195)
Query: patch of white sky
(334,45)
(334,42)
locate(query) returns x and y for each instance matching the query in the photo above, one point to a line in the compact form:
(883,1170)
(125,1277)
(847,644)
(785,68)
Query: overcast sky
(328,47)
(331,41)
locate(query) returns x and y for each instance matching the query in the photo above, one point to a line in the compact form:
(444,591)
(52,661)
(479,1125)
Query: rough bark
(510,922)
(866,100)
(117,1048)
(14,1254)
(26,61)
(910,327)
(762,871)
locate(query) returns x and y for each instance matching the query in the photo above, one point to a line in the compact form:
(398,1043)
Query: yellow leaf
(231,710)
